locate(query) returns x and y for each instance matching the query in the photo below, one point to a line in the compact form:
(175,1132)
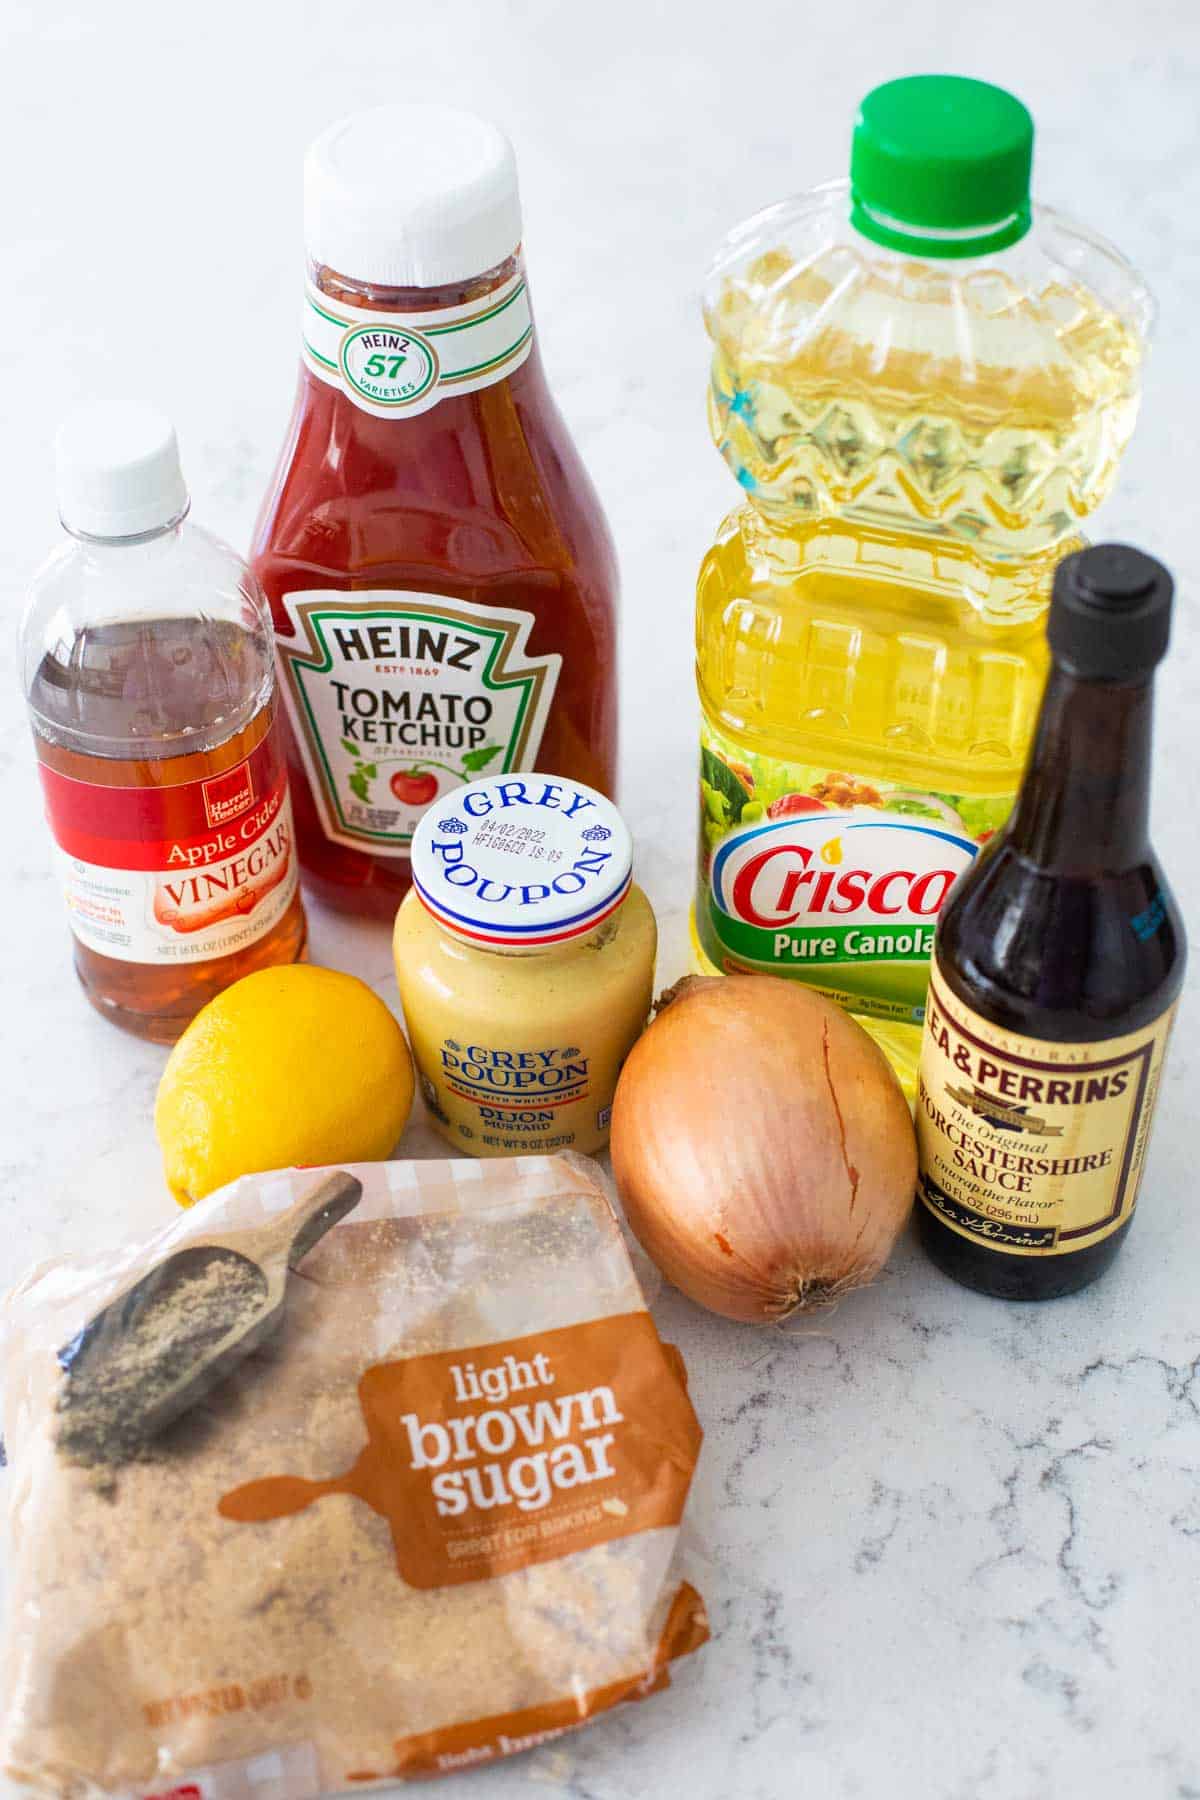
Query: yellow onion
(762,1147)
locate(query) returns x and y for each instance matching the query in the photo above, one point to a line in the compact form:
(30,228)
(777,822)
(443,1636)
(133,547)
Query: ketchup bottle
(441,578)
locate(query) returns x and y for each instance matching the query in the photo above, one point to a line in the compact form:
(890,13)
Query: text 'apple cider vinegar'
(922,384)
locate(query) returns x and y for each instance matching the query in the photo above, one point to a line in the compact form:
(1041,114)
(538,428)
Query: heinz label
(1033,1147)
(397,698)
(176,873)
(396,364)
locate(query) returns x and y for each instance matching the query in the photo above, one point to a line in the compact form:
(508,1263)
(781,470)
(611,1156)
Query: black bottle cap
(1110,615)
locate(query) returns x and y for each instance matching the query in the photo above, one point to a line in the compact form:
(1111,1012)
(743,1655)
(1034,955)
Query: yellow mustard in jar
(525,959)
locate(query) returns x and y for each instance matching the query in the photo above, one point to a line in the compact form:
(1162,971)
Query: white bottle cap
(520,862)
(411,196)
(118,471)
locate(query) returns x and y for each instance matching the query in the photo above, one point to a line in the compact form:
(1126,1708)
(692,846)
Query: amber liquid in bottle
(1064,931)
(164,684)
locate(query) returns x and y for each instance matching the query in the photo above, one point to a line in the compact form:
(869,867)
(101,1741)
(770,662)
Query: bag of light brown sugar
(432,1519)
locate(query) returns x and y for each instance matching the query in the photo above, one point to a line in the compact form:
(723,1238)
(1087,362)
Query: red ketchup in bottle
(441,577)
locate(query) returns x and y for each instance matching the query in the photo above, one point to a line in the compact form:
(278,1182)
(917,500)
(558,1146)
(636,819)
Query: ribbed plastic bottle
(923,385)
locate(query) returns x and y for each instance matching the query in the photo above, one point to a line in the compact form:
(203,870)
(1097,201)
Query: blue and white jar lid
(522,861)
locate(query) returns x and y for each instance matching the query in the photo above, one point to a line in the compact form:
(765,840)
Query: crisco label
(396,364)
(398,698)
(1031,1146)
(834,879)
(176,873)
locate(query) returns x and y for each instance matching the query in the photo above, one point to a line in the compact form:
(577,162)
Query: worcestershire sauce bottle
(1058,960)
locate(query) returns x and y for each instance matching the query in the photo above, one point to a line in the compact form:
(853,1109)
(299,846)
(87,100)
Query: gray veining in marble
(951,1548)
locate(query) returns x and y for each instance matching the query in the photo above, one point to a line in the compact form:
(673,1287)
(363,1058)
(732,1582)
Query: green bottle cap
(939,166)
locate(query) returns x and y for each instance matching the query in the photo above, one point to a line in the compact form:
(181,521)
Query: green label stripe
(825,943)
(493,362)
(317,356)
(862,972)
(470,353)
(322,314)
(493,312)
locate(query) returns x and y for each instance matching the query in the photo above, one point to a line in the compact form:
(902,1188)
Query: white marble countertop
(955,1545)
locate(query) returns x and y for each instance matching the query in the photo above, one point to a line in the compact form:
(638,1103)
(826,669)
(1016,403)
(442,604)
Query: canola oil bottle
(923,385)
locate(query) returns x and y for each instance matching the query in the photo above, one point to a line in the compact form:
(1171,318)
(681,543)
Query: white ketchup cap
(411,196)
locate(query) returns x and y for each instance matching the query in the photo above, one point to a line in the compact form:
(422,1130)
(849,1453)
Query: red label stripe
(186,826)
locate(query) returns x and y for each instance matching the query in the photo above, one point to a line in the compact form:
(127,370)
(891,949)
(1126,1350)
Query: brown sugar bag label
(1035,1147)
(188,1631)
(485,1460)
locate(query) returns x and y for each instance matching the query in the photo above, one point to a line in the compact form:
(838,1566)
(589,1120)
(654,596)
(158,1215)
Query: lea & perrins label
(1033,1147)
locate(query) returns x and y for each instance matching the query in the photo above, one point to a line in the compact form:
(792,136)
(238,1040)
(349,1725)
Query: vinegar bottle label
(176,874)
(396,364)
(398,698)
(1032,1146)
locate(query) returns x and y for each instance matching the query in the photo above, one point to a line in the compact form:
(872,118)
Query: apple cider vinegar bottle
(148,670)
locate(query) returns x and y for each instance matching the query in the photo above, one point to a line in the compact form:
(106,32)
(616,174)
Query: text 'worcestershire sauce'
(1059,958)
(440,575)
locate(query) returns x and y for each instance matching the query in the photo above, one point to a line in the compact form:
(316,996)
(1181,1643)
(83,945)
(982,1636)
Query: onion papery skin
(762,1147)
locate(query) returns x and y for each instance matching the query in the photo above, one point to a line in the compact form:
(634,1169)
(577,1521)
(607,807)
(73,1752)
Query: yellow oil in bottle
(918,441)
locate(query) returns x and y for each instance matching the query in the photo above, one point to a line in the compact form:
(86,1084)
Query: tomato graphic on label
(417,785)
(414,787)
(788,805)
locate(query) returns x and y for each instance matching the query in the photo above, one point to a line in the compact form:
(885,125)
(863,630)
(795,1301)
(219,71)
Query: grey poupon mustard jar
(525,959)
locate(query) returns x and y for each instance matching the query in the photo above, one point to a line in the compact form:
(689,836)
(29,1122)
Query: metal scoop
(158,1349)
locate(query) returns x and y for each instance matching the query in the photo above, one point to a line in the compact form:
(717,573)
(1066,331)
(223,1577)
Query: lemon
(289,1065)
